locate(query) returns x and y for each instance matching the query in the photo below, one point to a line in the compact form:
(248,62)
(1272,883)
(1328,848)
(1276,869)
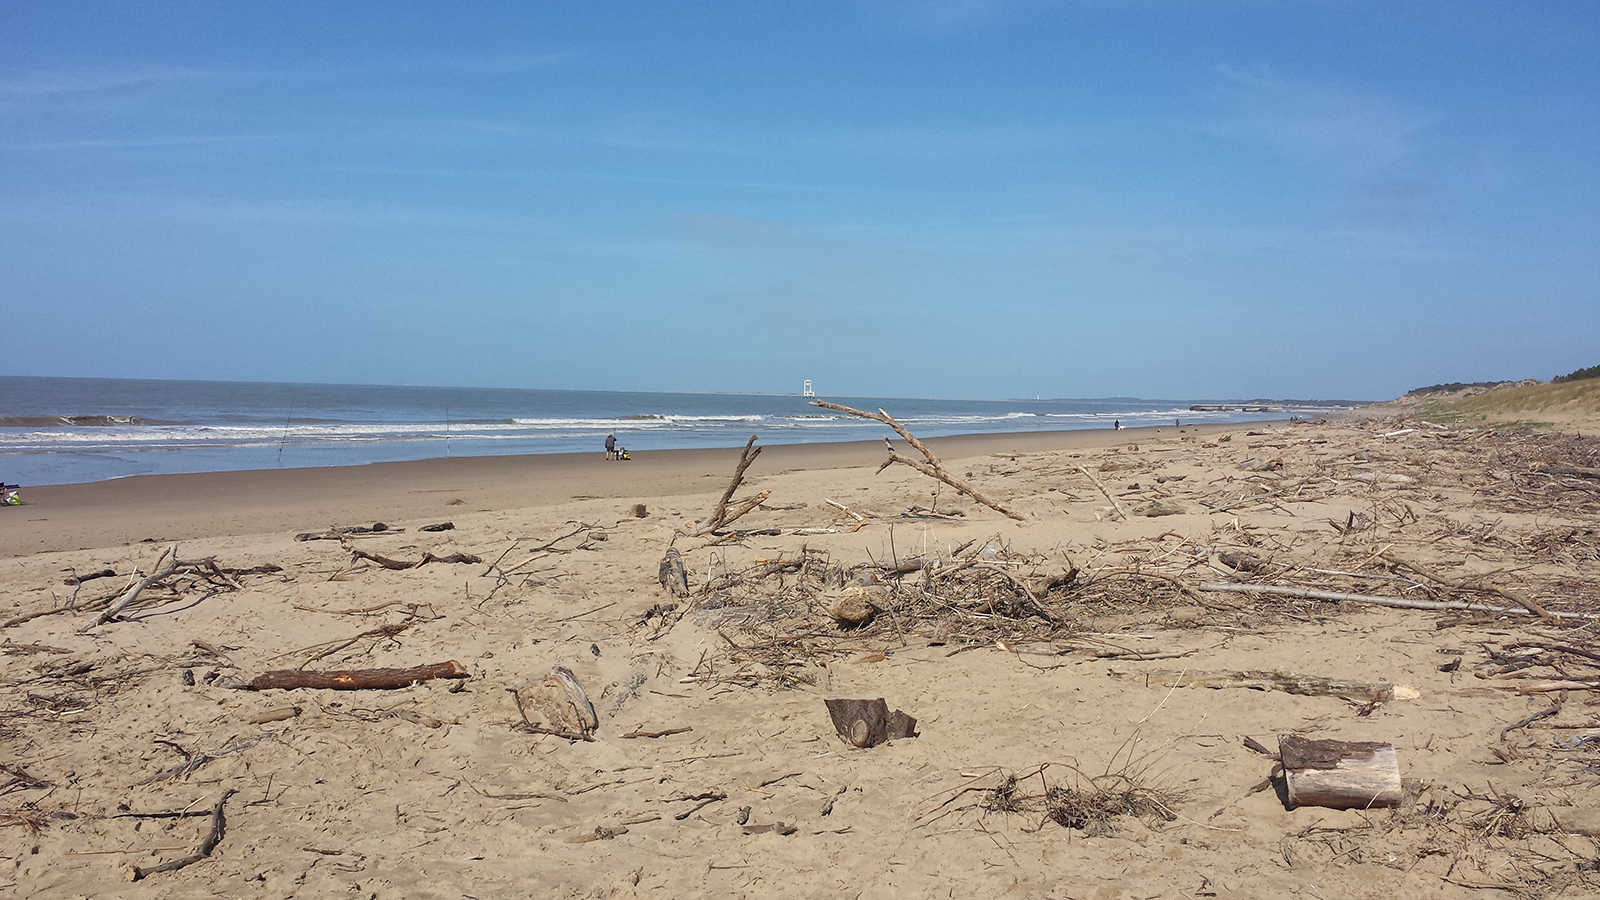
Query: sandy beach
(1061,650)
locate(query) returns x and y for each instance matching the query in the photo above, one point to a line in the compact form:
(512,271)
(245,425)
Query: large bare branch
(720,514)
(931,467)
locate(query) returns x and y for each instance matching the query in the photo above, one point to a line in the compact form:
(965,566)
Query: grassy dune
(1572,403)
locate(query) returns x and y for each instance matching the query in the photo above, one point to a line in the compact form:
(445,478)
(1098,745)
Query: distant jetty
(1223,407)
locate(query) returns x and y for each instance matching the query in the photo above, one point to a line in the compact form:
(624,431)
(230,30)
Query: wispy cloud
(1317,122)
(87,82)
(134,143)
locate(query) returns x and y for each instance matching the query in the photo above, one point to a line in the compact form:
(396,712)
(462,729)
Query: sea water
(66,430)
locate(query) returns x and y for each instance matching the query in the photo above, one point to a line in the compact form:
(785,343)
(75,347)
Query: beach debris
(167,565)
(929,465)
(705,800)
(1084,802)
(1157,508)
(76,579)
(566,707)
(401,565)
(672,575)
(1429,574)
(209,843)
(722,514)
(1288,682)
(353,679)
(1376,600)
(339,533)
(867,722)
(854,605)
(441,526)
(782,828)
(639,511)
(1339,774)
(1115,503)
(274,715)
(657,734)
(827,808)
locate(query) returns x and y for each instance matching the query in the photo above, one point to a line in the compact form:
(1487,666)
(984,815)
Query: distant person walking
(1116,424)
(611,446)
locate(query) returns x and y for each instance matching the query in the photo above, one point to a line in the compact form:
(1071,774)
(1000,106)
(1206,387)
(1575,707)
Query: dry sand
(431,791)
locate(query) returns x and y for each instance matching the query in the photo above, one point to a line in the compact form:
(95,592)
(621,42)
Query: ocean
(70,430)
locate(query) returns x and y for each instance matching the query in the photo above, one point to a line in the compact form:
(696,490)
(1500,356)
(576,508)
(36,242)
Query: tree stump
(1340,774)
(867,722)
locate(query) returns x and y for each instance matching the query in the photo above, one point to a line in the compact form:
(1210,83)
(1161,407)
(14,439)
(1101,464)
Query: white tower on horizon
(807,391)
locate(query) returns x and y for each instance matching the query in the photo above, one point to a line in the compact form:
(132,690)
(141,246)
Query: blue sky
(970,198)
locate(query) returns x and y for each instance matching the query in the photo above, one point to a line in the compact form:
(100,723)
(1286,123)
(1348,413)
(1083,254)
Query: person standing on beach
(1116,424)
(611,446)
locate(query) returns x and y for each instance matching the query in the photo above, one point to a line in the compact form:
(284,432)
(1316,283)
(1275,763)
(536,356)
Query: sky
(953,198)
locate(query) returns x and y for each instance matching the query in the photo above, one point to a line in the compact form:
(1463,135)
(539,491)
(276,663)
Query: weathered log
(1340,774)
(932,468)
(1288,682)
(354,679)
(1375,600)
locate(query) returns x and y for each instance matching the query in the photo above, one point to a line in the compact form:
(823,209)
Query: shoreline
(178,507)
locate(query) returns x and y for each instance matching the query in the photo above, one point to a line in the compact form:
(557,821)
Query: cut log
(354,679)
(1340,774)
(867,722)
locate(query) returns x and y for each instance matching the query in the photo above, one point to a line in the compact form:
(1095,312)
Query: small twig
(656,734)
(212,838)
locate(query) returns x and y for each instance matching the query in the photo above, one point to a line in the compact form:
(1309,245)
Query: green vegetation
(1580,375)
(1452,387)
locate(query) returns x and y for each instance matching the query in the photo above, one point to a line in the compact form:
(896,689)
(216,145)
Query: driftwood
(1288,682)
(722,514)
(1521,601)
(673,576)
(1374,600)
(212,839)
(657,734)
(1340,774)
(564,703)
(931,467)
(90,576)
(1115,503)
(400,564)
(354,679)
(340,534)
(167,565)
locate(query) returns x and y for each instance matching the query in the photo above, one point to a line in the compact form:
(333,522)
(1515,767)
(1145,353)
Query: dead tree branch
(721,514)
(931,467)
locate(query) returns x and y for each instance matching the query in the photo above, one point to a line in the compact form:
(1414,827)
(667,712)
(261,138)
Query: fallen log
(1340,774)
(353,679)
(1288,682)
(1375,600)
(1518,599)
